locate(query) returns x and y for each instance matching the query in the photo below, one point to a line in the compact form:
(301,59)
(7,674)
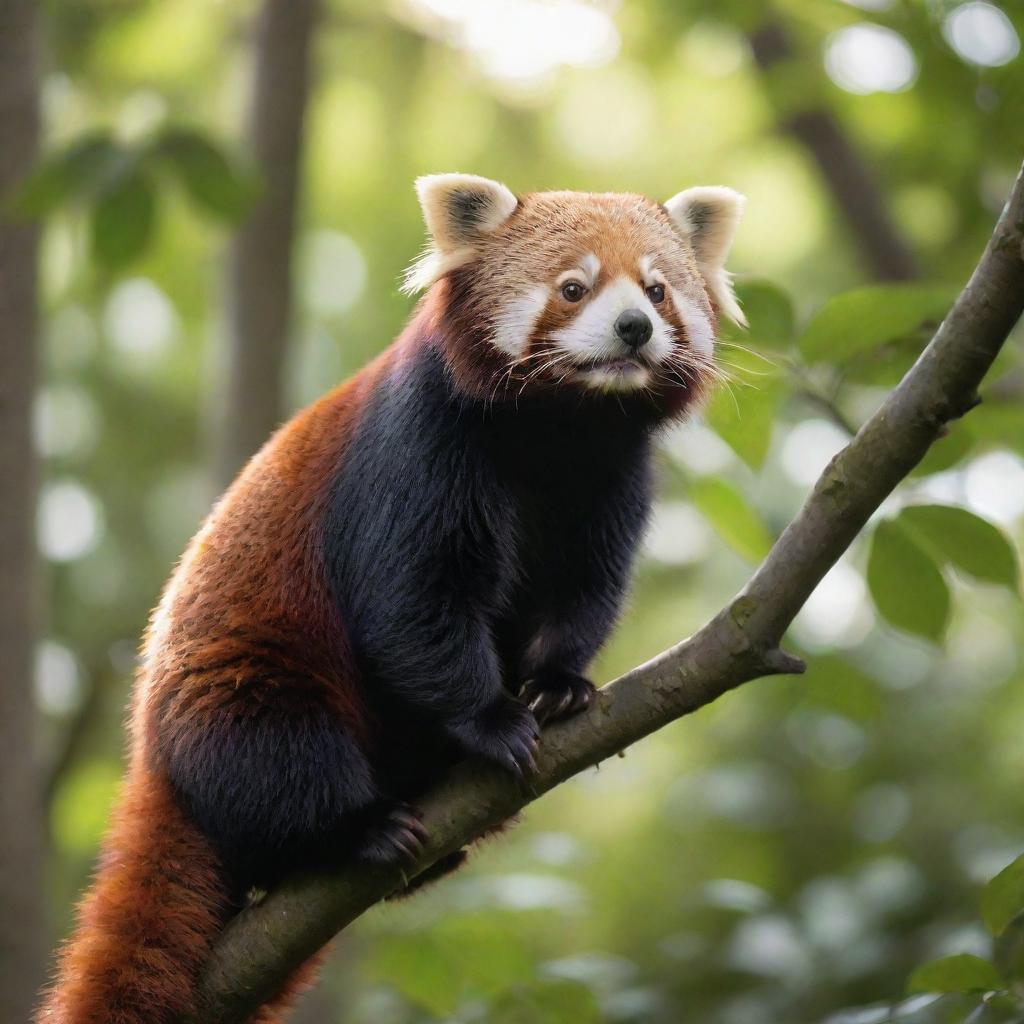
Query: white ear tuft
(707,217)
(458,209)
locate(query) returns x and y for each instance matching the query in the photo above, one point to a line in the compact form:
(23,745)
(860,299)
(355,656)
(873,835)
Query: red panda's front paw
(505,733)
(556,693)
(395,838)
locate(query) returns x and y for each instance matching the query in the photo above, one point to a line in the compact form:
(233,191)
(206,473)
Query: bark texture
(262,946)
(259,286)
(21,813)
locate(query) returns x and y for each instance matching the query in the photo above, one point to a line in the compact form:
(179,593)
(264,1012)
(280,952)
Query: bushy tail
(147,924)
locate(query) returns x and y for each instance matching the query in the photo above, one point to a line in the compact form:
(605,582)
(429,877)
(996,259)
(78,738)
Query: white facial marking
(586,273)
(604,379)
(649,274)
(514,323)
(697,323)
(590,337)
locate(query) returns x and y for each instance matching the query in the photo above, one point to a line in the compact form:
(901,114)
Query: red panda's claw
(506,734)
(554,694)
(395,839)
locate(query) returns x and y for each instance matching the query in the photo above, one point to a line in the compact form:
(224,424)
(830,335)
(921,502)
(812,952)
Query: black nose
(634,328)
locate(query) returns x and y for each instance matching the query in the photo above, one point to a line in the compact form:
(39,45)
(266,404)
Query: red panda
(418,567)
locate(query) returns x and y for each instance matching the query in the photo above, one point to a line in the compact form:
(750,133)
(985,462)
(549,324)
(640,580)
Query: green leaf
(732,517)
(546,1002)
(123,219)
(999,421)
(865,318)
(835,683)
(435,970)
(420,970)
(212,181)
(68,174)
(769,313)
(962,972)
(489,959)
(1002,899)
(965,540)
(947,452)
(743,413)
(907,586)
(80,806)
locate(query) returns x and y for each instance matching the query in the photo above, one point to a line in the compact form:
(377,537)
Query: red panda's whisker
(770,360)
(540,369)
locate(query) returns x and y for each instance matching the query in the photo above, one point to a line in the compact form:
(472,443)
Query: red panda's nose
(634,328)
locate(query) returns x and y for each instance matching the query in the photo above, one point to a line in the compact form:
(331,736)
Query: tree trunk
(21,817)
(259,264)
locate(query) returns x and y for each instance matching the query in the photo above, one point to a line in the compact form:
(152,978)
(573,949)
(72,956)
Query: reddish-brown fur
(146,925)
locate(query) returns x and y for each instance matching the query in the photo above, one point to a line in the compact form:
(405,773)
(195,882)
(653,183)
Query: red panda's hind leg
(267,785)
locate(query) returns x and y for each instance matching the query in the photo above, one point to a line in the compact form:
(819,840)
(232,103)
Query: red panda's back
(252,582)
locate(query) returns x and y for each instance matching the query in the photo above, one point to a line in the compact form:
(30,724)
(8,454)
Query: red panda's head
(571,290)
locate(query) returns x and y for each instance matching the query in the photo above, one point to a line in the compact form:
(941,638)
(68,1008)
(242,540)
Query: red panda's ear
(459,209)
(707,217)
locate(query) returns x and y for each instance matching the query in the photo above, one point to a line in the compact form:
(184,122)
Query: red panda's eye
(573,291)
(656,293)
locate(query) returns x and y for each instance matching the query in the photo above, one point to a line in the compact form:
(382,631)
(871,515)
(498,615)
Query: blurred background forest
(217,195)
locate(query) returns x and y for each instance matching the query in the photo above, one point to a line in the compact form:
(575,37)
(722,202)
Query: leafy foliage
(906,584)
(1003,898)
(961,972)
(732,517)
(118,185)
(965,541)
(864,318)
(216,184)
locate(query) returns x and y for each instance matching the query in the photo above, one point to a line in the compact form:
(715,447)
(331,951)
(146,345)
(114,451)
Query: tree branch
(264,943)
(850,179)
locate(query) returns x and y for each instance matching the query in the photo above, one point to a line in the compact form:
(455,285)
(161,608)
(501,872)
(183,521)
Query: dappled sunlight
(808,449)
(678,535)
(838,612)
(994,486)
(607,117)
(70,520)
(141,325)
(868,58)
(982,34)
(57,677)
(66,421)
(881,812)
(332,271)
(522,41)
